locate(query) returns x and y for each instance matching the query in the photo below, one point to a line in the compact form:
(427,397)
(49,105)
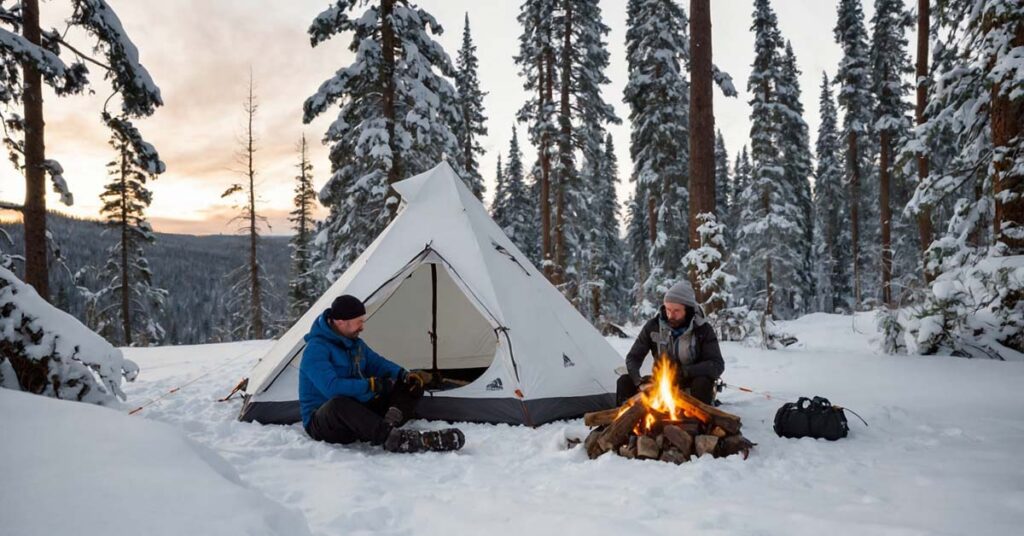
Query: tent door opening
(423,320)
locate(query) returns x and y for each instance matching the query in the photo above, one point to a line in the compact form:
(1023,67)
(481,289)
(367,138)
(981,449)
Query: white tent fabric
(494,309)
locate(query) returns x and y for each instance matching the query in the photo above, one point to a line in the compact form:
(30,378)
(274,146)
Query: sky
(200,53)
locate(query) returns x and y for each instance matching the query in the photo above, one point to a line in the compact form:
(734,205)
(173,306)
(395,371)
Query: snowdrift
(72,468)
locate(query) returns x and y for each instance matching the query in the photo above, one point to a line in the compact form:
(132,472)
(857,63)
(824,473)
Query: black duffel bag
(811,417)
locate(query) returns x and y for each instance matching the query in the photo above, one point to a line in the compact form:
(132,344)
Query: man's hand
(645,383)
(380,386)
(418,377)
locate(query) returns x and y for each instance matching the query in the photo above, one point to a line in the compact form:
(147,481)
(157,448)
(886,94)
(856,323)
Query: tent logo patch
(566,362)
(495,385)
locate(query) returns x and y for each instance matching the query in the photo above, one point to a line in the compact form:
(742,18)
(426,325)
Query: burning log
(647,448)
(735,444)
(618,431)
(664,423)
(680,439)
(705,444)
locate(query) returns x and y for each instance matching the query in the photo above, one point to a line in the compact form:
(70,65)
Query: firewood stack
(626,431)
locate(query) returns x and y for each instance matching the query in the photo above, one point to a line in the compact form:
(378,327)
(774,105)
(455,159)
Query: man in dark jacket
(348,392)
(680,333)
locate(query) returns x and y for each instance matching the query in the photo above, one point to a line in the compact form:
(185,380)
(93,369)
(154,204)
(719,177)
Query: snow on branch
(724,81)
(63,78)
(49,352)
(143,153)
(331,22)
(139,93)
(60,186)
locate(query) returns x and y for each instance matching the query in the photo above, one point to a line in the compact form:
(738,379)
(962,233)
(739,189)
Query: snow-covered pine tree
(536,60)
(499,200)
(304,287)
(743,292)
(517,205)
(32,58)
(974,306)
(471,124)
(708,263)
(604,256)
(658,95)
(831,217)
(857,102)
(637,246)
(127,303)
(397,111)
(723,190)
(770,232)
(249,316)
(46,351)
(890,68)
(582,115)
(798,287)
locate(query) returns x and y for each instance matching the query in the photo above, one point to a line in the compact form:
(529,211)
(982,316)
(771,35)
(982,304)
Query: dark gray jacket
(704,359)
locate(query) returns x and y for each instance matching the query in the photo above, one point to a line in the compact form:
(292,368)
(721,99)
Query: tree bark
(885,211)
(37,272)
(854,214)
(254,272)
(387,73)
(924,217)
(126,304)
(702,127)
(546,88)
(1007,120)
(565,146)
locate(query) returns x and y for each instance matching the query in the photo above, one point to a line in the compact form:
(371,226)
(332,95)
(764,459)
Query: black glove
(380,386)
(644,380)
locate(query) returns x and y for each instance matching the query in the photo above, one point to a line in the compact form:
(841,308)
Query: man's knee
(703,388)
(624,388)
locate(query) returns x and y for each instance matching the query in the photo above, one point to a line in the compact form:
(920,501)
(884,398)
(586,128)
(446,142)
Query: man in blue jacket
(348,392)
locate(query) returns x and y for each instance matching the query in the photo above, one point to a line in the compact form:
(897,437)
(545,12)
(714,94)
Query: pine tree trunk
(565,147)
(886,217)
(37,271)
(126,311)
(924,218)
(652,219)
(1007,120)
(702,128)
(546,89)
(852,156)
(254,274)
(388,44)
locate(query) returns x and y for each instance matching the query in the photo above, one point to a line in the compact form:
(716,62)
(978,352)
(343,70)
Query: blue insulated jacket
(335,365)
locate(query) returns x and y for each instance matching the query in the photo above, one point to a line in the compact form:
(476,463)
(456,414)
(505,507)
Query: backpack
(816,418)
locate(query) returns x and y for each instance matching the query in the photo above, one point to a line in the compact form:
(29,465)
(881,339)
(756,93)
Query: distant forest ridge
(192,269)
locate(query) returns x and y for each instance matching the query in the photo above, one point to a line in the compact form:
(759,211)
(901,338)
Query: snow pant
(345,420)
(700,387)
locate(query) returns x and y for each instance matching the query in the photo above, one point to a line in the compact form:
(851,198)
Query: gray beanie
(681,293)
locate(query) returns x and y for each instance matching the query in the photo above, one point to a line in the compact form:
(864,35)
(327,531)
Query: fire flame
(663,399)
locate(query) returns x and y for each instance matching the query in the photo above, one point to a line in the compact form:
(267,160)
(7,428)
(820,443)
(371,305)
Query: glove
(419,378)
(645,382)
(380,386)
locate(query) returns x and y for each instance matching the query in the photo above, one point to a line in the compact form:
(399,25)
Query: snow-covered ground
(940,457)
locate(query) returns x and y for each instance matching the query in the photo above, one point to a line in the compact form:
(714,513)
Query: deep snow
(939,457)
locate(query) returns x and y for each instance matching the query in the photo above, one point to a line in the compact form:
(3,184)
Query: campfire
(662,422)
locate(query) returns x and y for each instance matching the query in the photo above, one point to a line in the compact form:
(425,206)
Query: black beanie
(346,307)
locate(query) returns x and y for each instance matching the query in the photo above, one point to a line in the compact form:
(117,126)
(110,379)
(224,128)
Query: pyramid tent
(443,284)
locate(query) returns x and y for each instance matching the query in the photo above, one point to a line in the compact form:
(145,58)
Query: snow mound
(69,467)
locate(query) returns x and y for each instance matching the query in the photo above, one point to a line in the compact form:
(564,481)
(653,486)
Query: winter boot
(400,440)
(445,440)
